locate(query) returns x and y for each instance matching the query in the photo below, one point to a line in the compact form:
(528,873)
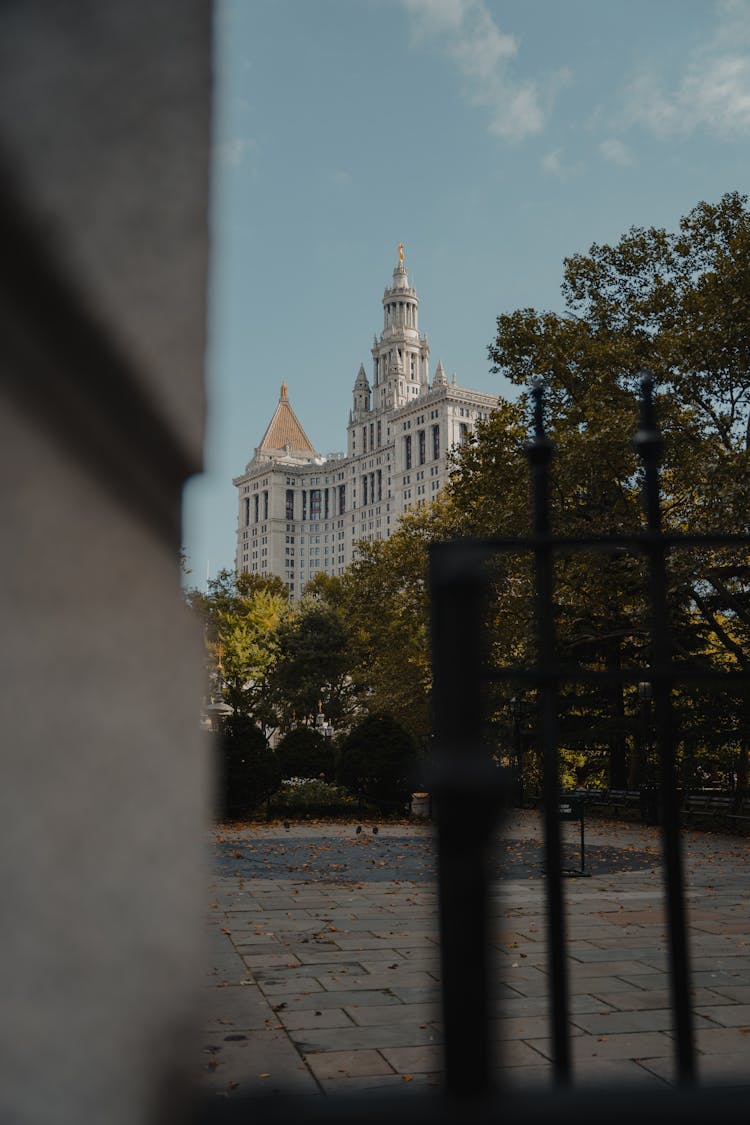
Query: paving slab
(404,1033)
(348,1064)
(305,930)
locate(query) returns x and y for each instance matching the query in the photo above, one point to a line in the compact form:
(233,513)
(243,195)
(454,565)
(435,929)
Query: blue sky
(492,137)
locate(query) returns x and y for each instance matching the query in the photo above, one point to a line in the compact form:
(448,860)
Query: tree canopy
(241,615)
(675,302)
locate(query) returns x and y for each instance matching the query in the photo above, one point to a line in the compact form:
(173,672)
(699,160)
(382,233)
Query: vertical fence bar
(466,785)
(539,452)
(648,444)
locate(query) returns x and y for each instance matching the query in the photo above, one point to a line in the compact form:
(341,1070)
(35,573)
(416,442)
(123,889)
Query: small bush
(302,796)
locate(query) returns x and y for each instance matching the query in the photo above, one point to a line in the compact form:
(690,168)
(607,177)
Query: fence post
(648,444)
(539,452)
(468,790)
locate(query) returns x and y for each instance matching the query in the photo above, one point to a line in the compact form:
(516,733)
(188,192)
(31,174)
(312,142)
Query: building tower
(301,514)
(400,357)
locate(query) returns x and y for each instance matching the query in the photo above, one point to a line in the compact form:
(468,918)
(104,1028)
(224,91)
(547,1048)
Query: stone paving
(323,959)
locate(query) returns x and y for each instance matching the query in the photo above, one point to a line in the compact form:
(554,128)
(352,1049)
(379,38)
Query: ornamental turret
(440,379)
(361,394)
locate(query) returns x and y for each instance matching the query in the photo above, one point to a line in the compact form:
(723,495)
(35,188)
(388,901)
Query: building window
(407,451)
(314,503)
(364,490)
(247,510)
(463,432)
(342,499)
(265,505)
(436,442)
(255,498)
(364,439)
(380,484)
(290,503)
(422,443)
(304,503)
(380,433)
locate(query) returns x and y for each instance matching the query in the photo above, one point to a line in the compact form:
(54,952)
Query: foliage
(241,615)
(678,303)
(248,769)
(305,753)
(312,666)
(384,599)
(302,796)
(377,759)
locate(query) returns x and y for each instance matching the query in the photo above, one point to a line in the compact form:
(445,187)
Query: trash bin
(420,805)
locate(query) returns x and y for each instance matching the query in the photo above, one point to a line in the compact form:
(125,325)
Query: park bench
(716,805)
(619,800)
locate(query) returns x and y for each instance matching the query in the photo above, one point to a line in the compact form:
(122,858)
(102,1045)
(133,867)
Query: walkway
(323,973)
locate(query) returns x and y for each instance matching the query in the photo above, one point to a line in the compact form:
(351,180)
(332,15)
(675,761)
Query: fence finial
(539,449)
(648,445)
(647,441)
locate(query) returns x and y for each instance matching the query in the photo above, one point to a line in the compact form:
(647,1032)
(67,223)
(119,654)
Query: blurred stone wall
(104,141)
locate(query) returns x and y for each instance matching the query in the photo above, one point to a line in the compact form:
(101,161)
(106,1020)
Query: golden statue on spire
(401,253)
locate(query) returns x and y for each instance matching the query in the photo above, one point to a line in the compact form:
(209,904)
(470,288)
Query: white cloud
(232,153)
(713,92)
(482,54)
(616,152)
(553,163)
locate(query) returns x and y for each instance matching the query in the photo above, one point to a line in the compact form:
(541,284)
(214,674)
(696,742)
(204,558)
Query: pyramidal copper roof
(284,430)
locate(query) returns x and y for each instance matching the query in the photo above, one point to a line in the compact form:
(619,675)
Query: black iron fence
(471,790)
(460,578)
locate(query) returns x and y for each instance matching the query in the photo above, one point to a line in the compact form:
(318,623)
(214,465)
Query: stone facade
(300,513)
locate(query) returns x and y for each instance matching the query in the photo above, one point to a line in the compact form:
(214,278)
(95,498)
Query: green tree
(248,770)
(677,303)
(241,616)
(304,752)
(313,664)
(386,601)
(377,760)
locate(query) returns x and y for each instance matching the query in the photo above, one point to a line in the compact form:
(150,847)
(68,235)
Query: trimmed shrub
(304,752)
(377,760)
(248,770)
(304,796)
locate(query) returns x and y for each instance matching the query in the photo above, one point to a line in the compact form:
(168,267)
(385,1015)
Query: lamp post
(515,711)
(645,695)
(649,794)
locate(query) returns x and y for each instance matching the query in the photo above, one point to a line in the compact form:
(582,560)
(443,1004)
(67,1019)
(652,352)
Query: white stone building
(300,513)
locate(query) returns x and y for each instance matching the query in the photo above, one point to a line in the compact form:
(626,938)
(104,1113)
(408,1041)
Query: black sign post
(571,807)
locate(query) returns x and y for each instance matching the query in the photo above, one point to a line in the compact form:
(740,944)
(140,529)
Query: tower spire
(400,354)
